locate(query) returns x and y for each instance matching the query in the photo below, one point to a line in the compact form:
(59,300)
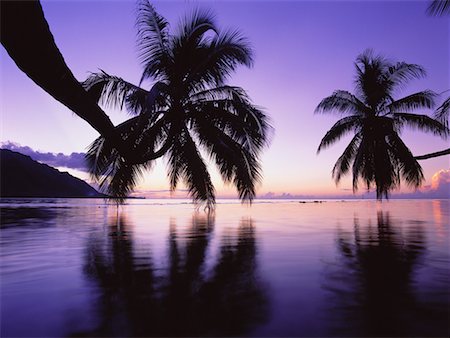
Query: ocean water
(80,267)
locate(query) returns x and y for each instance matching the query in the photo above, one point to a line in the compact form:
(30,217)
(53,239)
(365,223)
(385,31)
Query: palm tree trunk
(432,155)
(26,37)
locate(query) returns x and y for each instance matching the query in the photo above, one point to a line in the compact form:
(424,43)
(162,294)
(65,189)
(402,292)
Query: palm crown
(376,153)
(189,108)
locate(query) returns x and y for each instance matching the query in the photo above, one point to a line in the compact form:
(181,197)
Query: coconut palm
(189,110)
(376,153)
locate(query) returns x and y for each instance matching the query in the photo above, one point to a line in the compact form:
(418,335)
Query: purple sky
(303,52)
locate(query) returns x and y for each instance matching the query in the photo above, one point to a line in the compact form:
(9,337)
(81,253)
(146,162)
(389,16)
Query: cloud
(72,161)
(440,185)
(439,188)
(283,195)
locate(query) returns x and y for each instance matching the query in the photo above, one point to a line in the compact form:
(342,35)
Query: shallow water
(280,268)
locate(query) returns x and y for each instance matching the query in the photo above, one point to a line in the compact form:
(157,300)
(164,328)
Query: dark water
(82,268)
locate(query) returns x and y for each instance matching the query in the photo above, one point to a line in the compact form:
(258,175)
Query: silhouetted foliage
(189,108)
(441,114)
(376,154)
(180,299)
(439,7)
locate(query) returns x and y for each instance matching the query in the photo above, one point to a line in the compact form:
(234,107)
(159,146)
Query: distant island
(21,176)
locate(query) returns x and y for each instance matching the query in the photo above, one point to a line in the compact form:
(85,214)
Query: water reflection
(184,299)
(26,216)
(374,287)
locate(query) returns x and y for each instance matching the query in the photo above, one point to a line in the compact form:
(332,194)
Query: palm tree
(188,109)
(376,152)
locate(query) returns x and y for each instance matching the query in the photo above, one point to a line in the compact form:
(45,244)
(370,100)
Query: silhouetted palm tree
(439,7)
(376,152)
(188,106)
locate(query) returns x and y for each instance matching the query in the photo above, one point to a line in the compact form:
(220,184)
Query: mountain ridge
(21,176)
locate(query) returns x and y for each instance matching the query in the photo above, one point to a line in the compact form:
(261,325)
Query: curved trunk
(432,155)
(26,37)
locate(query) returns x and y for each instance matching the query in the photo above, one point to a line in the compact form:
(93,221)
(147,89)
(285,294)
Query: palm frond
(342,165)
(235,163)
(115,176)
(442,112)
(152,41)
(439,8)
(370,69)
(185,162)
(339,129)
(342,102)
(244,123)
(112,91)
(109,167)
(217,60)
(218,93)
(421,122)
(386,175)
(421,100)
(401,73)
(374,166)
(193,27)
(410,170)
(155,100)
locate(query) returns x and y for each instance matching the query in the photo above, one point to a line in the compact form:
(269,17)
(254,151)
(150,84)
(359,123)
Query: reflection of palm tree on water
(135,301)
(376,291)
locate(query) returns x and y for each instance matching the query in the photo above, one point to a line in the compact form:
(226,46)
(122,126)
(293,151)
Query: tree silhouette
(188,108)
(441,114)
(439,8)
(376,153)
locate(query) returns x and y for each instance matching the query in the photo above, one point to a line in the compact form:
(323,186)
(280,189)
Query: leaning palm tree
(376,153)
(24,28)
(189,110)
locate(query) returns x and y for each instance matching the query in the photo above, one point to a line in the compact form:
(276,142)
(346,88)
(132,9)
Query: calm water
(82,268)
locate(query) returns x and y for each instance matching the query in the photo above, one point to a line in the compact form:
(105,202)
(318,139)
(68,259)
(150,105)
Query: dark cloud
(72,161)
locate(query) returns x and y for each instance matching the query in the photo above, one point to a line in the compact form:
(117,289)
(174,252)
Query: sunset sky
(304,50)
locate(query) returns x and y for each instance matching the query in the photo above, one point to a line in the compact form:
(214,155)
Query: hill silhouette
(21,176)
